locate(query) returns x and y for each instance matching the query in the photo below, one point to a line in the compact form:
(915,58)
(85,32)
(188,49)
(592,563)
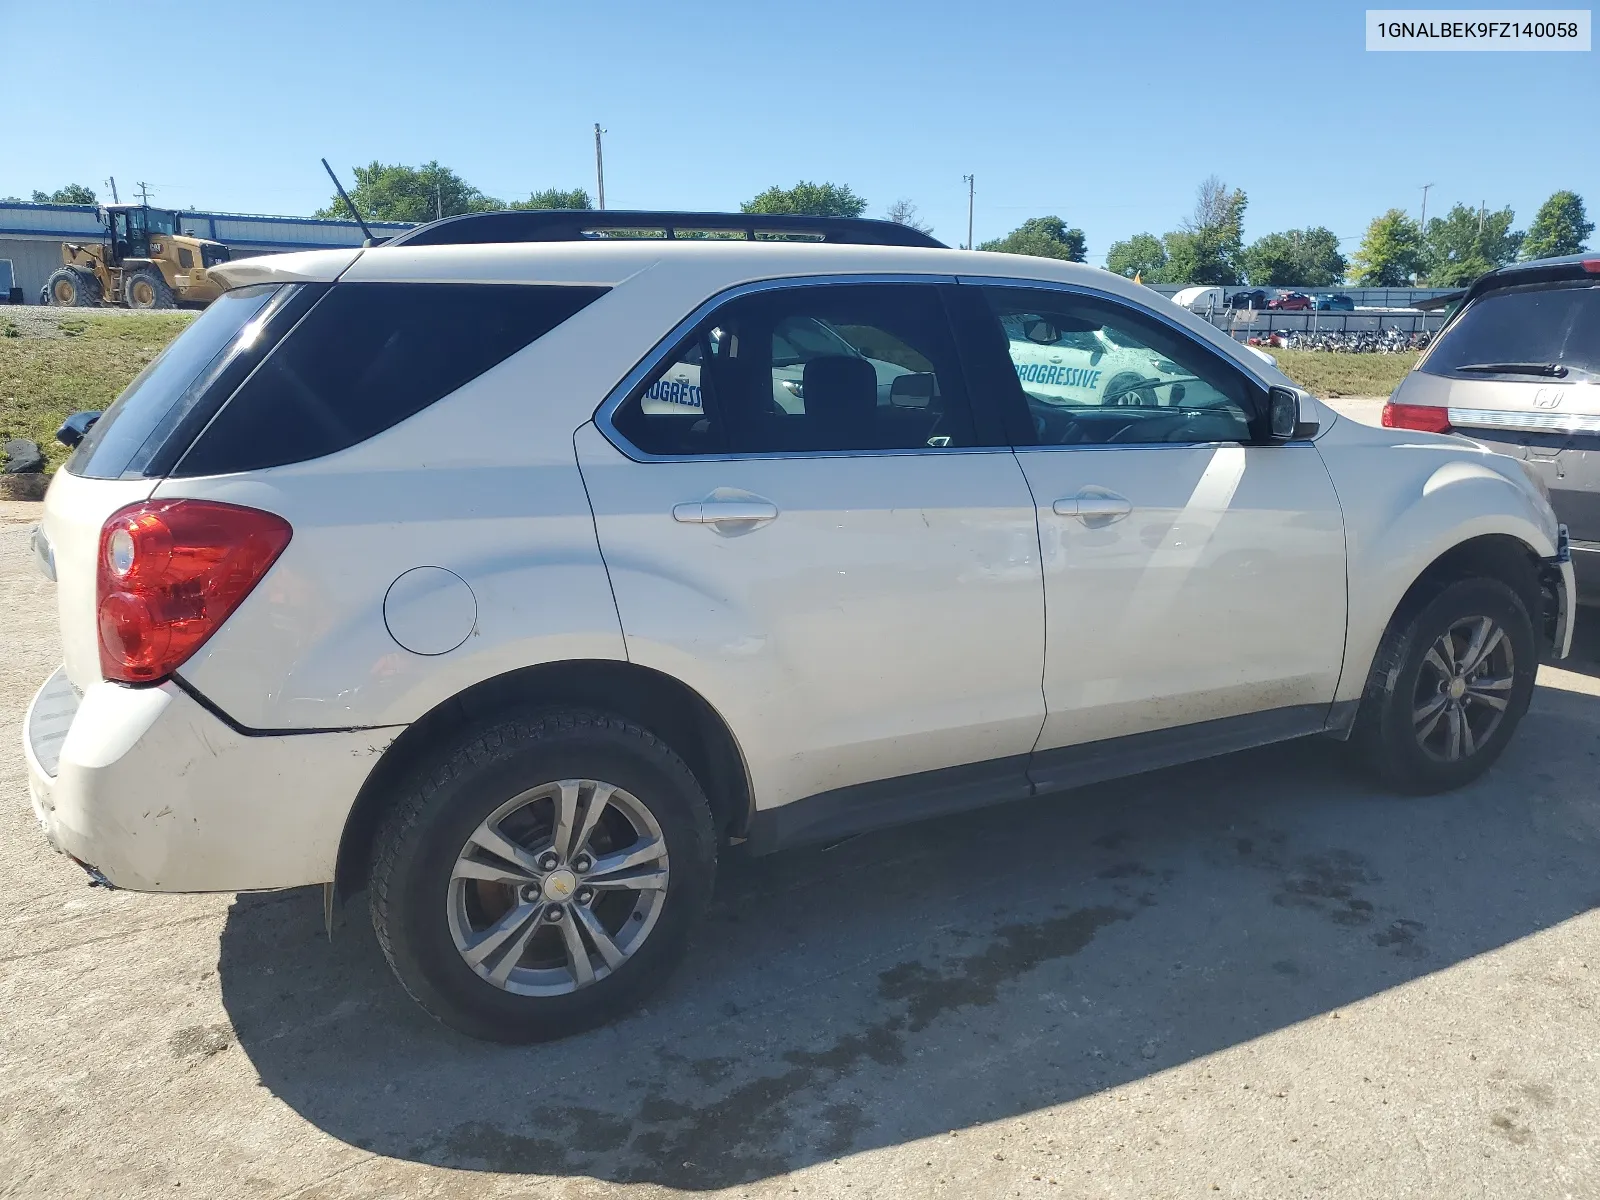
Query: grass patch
(42,379)
(1325,373)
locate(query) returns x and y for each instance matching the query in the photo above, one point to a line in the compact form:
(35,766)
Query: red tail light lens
(170,572)
(1592,266)
(1416,416)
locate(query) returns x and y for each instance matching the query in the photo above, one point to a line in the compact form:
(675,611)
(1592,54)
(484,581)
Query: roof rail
(571,225)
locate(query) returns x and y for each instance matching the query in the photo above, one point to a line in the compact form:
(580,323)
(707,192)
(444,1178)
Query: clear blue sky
(1107,115)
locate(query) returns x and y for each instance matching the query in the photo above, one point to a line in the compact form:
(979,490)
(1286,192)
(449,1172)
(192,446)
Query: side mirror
(913,391)
(75,426)
(1285,419)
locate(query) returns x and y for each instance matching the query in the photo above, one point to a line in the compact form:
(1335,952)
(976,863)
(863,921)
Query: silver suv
(1517,367)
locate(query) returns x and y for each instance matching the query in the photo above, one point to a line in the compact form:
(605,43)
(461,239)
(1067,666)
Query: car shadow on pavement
(908,983)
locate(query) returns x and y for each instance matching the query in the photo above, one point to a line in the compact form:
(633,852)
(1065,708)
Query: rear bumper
(150,791)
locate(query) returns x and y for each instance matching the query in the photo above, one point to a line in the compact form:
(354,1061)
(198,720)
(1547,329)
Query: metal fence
(1244,324)
(1364,297)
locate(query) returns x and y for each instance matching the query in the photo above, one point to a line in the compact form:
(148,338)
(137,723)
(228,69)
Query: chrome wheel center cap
(1457,688)
(559,886)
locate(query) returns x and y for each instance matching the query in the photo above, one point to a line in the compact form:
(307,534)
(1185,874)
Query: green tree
(1042,237)
(1560,227)
(393,192)
(1206,248)
(73,193)
(1295,258)
(1466,242)
(1391,252)
(1142,255)
(809,199)
(556,198)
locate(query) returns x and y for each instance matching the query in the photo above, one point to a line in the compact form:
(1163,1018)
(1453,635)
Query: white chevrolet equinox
(400,570)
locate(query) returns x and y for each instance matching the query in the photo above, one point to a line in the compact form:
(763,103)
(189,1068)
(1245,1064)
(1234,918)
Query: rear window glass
(368,356)
(125,437)
(1523,326)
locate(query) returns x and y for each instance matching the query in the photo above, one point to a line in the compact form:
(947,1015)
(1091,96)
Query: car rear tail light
(1592,265)
(1416,416)
(170,572)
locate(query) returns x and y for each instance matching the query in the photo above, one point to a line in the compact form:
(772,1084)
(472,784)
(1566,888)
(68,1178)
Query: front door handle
(721,512)
(1094,507)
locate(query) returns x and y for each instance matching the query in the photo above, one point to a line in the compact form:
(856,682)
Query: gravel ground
(40,321)
(1253,977)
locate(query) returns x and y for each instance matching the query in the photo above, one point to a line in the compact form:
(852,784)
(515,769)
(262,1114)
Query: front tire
(543,875)
(1448,688)
(145,288)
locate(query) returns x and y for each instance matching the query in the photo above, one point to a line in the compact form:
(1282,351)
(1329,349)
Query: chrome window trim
(659,352)
(1499,418)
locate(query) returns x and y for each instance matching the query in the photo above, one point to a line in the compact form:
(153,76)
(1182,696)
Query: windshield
(1556,327)
(126,436)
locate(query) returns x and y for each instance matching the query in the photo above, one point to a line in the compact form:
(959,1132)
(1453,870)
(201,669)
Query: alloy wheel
(558,887)
(1463,690)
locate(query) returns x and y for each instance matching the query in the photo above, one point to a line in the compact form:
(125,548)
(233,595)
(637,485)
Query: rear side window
(1526,327)
(853,367)
(368,356)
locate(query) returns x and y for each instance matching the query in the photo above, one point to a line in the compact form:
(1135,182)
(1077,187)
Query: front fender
(1409,498)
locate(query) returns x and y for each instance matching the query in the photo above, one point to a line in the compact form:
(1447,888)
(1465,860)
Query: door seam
(1044,611)
(594,528)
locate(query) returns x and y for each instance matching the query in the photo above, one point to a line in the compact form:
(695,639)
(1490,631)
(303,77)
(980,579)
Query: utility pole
(438,201)
(1423,225)
(599,169)
(115,199)
(971,188)
(144,192)
(1482,206)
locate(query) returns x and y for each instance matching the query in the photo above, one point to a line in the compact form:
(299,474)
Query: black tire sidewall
(161,293)
(415,870)
(1406,763)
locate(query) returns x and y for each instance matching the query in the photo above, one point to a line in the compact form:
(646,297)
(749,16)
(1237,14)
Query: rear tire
(1450,683)
(474,850)
(72,287)
(145,288)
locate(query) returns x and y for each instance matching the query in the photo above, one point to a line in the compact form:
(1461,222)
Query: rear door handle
(719,512)
(1100,506)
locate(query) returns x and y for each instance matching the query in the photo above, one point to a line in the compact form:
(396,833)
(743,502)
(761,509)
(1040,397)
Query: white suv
(386,575)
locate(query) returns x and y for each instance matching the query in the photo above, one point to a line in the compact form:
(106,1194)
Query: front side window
(836,367)
(1533,333)
(1094,372)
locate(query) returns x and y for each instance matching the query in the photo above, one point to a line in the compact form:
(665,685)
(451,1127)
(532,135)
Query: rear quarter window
(1545,324)
(140,423)
(368,356)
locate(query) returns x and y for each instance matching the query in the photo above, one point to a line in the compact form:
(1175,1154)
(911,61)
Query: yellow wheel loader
(142,262)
